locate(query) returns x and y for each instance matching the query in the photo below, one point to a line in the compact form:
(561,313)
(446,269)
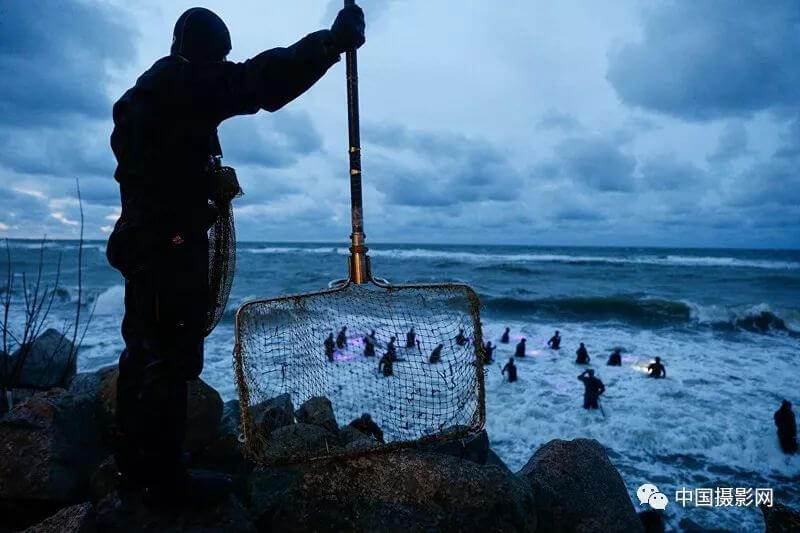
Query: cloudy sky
(578,123)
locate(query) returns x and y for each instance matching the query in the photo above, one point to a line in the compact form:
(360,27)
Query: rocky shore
(57,473)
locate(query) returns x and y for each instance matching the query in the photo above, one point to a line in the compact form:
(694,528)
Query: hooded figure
(512,370)
(504,338)
(168,168)
(787,427)
(329,347)
(411,338)
(615,359)
(582,355)
(520,351)
(593,388)
(657,369)
(341,338)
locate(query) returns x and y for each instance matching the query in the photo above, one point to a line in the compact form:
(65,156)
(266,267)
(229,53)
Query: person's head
(508,329)
(330,335)
(581,345)
(658,359)
(510,360)
(366,416)
(440,345)
(200,35)
(590,372)
(461,331)
(523,340)
(411,330)
(392,339)
(786,404)
(489,344)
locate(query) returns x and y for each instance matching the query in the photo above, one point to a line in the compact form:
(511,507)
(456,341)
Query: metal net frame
(415,392)
(280,348)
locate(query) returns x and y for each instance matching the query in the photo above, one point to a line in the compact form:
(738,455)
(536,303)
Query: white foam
(479,258)
(111,301)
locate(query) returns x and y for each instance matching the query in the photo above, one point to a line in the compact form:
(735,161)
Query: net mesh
(221,245)
(281,348)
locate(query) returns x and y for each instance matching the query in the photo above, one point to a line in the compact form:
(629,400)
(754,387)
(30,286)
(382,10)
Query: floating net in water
(281,349)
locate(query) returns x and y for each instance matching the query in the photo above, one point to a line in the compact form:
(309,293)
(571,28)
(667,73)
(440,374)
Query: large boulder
(48,361)
(204,407)
(780,519)
(126,513)
(299,438)
(225,451)
(74,519)
(473,448)
(392,491)
(576,488)
(49,445)
(318,410)
(271,414)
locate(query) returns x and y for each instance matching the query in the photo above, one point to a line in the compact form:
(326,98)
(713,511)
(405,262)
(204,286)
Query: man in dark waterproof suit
(167,149)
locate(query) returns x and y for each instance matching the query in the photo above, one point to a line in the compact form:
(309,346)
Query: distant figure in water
(329,347)
(386,364)
(368,427)
(488,351)
(461,340)
(593,388)
(520,351)
(657,370)
(391,349)
(410,338)
(419,346)
(787,427)
(341,338)
(512,370)
(504,338)
(369,345)
(555,341)
(582,355)
(615,359)
(436,354)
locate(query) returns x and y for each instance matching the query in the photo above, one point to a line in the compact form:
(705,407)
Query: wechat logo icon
(648,493)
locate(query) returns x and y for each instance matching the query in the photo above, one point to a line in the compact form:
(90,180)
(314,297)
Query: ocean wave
(646,312)
(510,259)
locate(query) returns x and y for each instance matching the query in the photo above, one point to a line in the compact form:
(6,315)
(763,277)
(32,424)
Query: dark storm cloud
(429,169)
(53,55)
(557,120)
(667,173)
(732,144)
(597,163)
(712,59)
(274,141)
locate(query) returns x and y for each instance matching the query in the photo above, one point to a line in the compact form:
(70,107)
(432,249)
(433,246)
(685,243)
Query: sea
(725,322)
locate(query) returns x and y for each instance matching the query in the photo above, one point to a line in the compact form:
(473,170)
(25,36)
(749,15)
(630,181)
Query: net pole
(358,264)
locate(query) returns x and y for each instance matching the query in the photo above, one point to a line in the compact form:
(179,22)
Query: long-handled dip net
(403,363)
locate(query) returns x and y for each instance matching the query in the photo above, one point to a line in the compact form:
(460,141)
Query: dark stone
(225,452)
(350,434)
(271,414)
(50,446)
(473,448)
(318,411)
(687,525)
(104,480)
(392,491)
(299,438)
(122,513)
(577,488)
(494,460)
(75,519)
(780,519)
(652,520)
(204,415)
(49,361)
(204,407)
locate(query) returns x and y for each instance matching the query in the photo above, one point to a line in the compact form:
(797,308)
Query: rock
(204,407)
(127,514)
(225,451)
(50,446)
(652,521)
(104,480)
(687,525)
(204,415)
(780,519)
(473,448)
(494,460)
(576,488)
(299,438)
(74,519)
(271,414)
(47,362)
(350,434)
(318,411)
(392,491)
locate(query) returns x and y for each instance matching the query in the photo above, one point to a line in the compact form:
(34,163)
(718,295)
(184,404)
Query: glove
(347,32)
